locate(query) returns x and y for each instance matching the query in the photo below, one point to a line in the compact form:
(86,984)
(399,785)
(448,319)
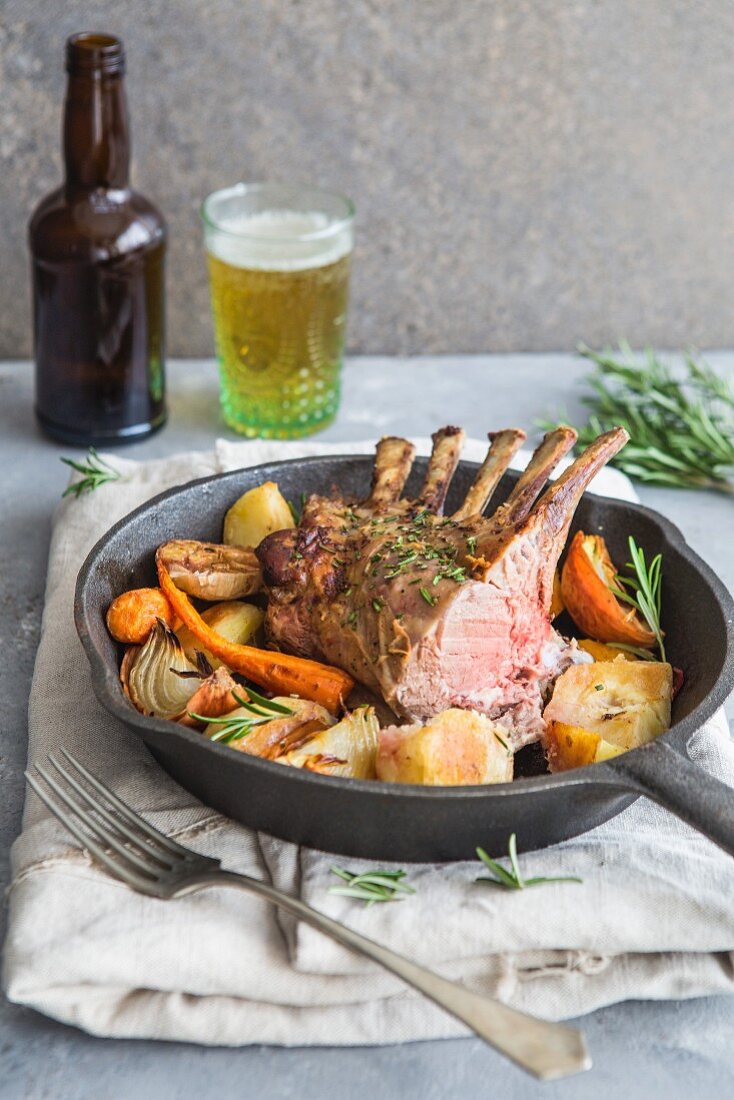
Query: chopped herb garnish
(378,604)
(428,597)
(512,879)
(502,741)
(598,687)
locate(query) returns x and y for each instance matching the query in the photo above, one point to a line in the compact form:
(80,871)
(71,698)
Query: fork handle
(547,1050)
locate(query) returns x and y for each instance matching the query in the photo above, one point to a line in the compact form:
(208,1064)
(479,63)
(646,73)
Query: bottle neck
(96,134)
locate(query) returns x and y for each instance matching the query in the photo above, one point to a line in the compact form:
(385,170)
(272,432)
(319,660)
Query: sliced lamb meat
(433,612)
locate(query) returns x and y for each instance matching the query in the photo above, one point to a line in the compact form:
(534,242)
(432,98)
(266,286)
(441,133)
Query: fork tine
(157,852)
(125,811)
(114,866)
(98,830)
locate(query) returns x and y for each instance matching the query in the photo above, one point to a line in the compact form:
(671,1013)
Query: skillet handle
(672,780)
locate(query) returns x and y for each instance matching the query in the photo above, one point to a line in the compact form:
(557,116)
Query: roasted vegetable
(234,621)
(348,748)
(625,703)
(600,651)
(276,672)
(132,616)
(272,737)
(587,573)
(151,675)
(456,747)
(209,570)
(572,747)
(557,604)
(257,513)
(213,697)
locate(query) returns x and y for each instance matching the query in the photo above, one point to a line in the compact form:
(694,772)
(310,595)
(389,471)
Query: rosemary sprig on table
(681,423)
(372,887)
(513,880)
(234,727)
(95,472)
(642,590)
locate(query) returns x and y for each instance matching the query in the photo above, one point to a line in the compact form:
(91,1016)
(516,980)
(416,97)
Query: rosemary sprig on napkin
(513,880)
(95,472)
(681,423)
(371,886)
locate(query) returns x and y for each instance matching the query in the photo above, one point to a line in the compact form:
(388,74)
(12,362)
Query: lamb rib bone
(430,612)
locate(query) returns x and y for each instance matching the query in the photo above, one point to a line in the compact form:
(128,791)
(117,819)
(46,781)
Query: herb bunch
(234,727)
(94,470)
(681,423)
(372,887)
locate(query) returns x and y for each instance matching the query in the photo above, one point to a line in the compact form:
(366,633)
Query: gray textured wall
(528,173)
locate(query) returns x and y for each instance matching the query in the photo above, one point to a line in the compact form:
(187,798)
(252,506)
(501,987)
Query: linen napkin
(653,918)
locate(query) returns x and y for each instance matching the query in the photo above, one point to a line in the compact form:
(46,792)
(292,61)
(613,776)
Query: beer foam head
(279,240)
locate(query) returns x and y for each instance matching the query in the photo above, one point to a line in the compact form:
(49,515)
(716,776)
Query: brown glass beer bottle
(98,252)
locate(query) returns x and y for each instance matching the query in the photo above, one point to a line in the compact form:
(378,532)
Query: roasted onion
(159,679)
(348,748)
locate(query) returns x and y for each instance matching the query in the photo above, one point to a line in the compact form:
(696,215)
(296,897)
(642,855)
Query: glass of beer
(279,258)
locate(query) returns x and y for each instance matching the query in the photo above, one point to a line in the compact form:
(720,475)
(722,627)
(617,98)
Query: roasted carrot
(587,573)
(277,672)
(132,615)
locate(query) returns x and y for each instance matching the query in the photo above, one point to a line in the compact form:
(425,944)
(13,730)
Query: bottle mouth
(94,52)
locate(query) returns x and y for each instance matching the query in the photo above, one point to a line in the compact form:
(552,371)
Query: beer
(279,284)
(97,251)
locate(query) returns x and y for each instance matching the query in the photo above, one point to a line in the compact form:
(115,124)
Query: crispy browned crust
(556,507)
(545,458)
(447,445)
(502,447)
(393,460)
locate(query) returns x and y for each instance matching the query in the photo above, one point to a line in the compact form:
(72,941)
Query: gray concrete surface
(527,174)
(641,1051)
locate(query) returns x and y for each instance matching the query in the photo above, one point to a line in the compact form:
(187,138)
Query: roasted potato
(587,573)
(623,703)
(132,616)
(455,748)
(572,747)
(237,622)
(257,513)
(348,748)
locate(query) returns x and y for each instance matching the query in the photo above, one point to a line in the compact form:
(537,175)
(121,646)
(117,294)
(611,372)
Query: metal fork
(151,863)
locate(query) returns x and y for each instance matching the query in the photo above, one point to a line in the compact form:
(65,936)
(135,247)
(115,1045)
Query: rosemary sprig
(513,880)
(681,424)
(371,887)
(642,590)
(297,512)
(95,472)
(234,727)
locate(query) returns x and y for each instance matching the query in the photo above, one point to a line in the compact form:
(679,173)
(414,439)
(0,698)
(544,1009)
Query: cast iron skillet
(410,823)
